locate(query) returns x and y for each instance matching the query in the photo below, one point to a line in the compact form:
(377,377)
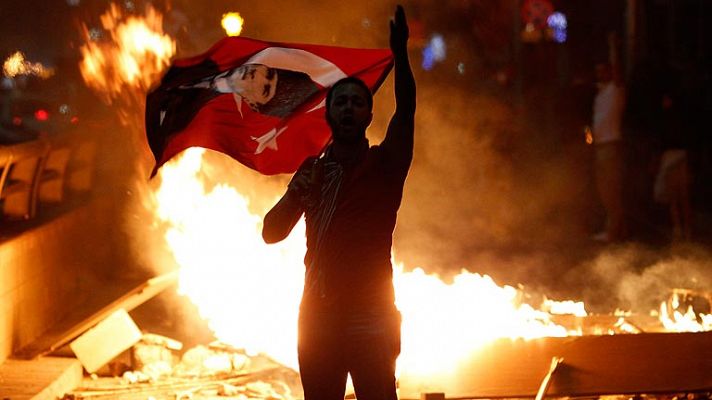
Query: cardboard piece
(109,338)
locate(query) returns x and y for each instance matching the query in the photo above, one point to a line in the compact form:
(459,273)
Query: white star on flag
(268,140)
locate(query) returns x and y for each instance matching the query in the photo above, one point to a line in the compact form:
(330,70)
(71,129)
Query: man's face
(349,112)
(256,83)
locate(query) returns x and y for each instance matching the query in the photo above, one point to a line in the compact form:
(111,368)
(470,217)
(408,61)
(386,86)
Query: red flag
(261,103)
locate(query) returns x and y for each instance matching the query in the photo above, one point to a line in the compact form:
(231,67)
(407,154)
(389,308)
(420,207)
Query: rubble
(215,371)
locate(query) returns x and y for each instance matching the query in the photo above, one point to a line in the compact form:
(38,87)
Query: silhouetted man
(348,321)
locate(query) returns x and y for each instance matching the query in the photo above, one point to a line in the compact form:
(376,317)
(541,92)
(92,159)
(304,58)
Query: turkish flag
(262,103)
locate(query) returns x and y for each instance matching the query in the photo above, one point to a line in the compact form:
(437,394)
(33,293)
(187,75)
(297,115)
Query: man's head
(256,83)
(271,91)
(349,105)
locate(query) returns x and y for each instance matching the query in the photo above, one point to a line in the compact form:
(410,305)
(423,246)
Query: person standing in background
(608,107)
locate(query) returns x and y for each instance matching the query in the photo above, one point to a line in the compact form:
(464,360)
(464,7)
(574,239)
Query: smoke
(637,278)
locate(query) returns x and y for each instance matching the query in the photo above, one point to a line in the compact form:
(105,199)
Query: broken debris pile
(215,371)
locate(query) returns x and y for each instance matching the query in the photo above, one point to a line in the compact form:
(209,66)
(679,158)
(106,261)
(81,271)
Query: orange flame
(588,135)
(135,57)
(250,292)
(678,317)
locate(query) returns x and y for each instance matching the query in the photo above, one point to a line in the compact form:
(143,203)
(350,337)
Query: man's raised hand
(399,31)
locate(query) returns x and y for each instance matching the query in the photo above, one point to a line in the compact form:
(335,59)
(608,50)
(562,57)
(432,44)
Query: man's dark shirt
(355,253)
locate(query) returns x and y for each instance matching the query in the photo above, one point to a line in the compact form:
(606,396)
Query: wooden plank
(593,365)
(105,302)
(44,379)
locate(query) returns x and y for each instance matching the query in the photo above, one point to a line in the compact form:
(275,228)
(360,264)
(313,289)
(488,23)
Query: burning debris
(157,371)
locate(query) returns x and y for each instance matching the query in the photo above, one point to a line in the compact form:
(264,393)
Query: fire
(135,56)
(588,135)
(567,307)
(17,65)
(250,292)
(678,315)
(444,323)
(232,23)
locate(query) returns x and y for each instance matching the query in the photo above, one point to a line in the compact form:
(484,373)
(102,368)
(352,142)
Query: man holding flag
(263,104)
(350,197)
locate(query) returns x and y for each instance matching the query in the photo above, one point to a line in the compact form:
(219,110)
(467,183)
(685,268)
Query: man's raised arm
(399,137)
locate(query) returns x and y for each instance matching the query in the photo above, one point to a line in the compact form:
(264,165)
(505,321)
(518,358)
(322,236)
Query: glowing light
(435,51)
(566,307)
(461,68)
(559,36)
(588,135)
(232,23)
(684,322)
(428,59)
(249,292)
(461,317)
(678,315)
(17,65)
(558,24)
(557,20)
(41,115)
